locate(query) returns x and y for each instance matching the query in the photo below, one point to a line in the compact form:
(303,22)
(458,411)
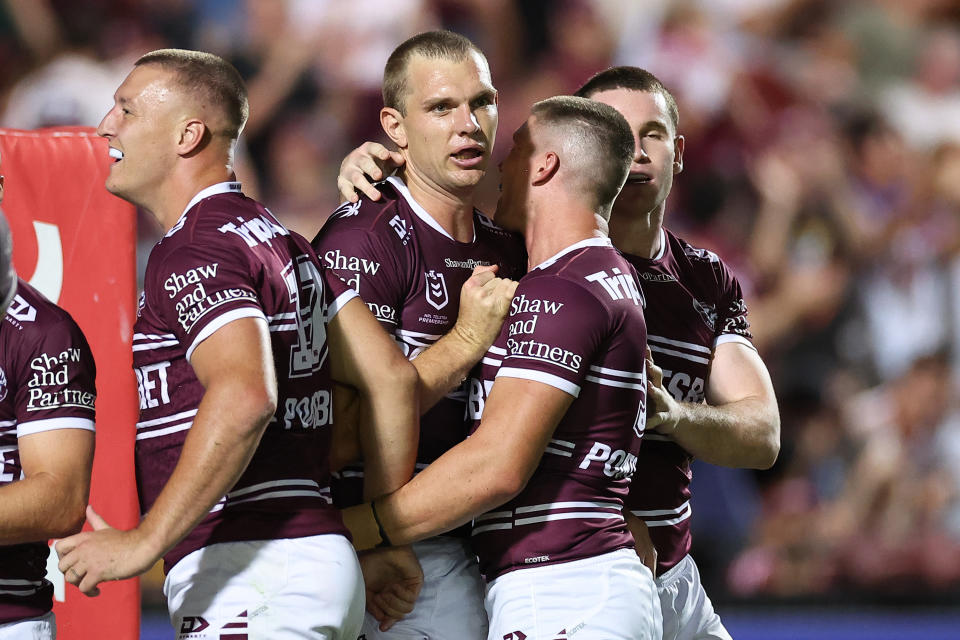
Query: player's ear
(545,166)
(678,144)
(193,134)
(392,122)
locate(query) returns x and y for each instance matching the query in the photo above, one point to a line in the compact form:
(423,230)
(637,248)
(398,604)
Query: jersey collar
(212,190)
(421,212)
(589,242)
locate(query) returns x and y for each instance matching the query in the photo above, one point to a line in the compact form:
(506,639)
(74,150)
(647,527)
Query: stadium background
(822,162)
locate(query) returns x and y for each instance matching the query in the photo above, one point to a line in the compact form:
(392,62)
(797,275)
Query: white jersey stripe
(223,320)
(662,512)
(679,343)
(549,506)
(733,337)
(340,303)
(16,582)
(51,424)
(153,336)
(165,419)
(271,485)
(570,515)
(274,328)
(497,351)
(494,515)
(679,354)
(150,346)
(145,435)
(617,372)
(417,334)
(540,376)
(565,454)
(563,443)
(614,383)
(491,527)
(492,362)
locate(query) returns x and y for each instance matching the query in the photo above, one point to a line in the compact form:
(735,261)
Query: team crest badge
(436,290)
(3,385)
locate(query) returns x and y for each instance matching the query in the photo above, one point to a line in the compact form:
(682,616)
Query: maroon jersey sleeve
(56,382)
(202,286)
(553,331)
(732,324)
(367,262)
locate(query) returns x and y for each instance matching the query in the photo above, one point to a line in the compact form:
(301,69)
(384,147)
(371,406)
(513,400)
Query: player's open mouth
(638,178)
(116,154)
(469,157)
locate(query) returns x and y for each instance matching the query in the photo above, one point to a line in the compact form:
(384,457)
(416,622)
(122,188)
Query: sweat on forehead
(207,80)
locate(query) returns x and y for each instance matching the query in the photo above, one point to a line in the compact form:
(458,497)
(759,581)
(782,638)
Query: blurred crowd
(822,163)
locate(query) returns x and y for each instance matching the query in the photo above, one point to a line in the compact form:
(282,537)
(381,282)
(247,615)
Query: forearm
(390,431)
(462,484)
(220,444)
(38,508)
(445,365)
(743,434)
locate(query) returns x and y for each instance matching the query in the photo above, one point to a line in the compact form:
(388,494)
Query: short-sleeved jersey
(46,383)
(409,270)
(694,303)
(575,323)
(228,258)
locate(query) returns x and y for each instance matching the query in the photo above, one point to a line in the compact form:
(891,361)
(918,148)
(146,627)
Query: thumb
(95,520)
(481,268)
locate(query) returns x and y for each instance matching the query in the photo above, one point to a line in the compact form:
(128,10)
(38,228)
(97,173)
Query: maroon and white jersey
(575,323)
(46,383)
(409,271)
(694,303)
(228,258)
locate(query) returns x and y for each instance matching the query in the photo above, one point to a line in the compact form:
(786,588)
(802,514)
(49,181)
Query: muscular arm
(235,366)
(487,469)
(740,424)
(484,302)
(363,356)
(48,502)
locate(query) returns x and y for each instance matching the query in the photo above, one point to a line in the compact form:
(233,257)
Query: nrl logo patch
(3,385)
(436,290)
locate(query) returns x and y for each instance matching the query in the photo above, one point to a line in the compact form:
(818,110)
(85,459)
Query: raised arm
(363,356)
(487,469)
(235,366)
(740,424)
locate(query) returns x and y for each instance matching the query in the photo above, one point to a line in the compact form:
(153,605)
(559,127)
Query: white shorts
(42,628)
(268,589)
(609,597)
(450,604)
(687,611)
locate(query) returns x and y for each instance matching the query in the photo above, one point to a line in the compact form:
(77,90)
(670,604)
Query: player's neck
(637,234)
(453,212)
(552,231)
(179,189)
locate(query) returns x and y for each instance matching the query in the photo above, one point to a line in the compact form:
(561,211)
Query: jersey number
(306,293)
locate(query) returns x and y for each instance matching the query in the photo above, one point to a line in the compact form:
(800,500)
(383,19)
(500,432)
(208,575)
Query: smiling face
(141,130)
(659,150)
(450,123)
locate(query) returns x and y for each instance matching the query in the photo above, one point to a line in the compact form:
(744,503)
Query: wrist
(363,526)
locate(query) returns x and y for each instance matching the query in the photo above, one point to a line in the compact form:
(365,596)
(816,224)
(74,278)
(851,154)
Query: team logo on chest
(436,290)
(3,385)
